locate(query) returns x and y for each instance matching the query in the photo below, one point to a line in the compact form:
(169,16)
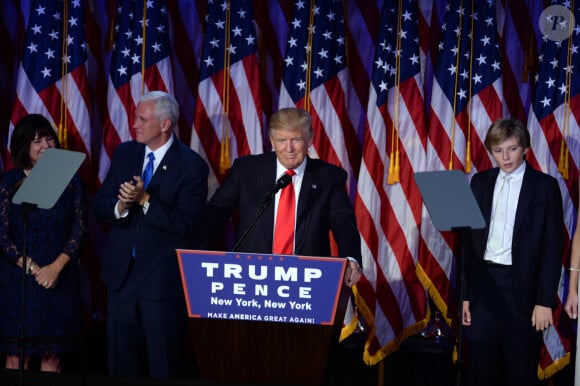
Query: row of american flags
(394,87)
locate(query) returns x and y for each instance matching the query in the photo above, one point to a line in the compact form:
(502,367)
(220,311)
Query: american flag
(554,130)
(229,121)
(52,77)
(466,98)
(340,94)
(391,297)
(317,79)
(140,62)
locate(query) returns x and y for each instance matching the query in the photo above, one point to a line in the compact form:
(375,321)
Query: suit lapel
(308,194)
(487,202)
(525,198)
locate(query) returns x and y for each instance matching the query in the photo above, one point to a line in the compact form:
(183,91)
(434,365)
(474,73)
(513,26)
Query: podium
(264,319)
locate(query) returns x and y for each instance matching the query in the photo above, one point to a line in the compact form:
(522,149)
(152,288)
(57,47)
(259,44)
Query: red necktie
(284,229)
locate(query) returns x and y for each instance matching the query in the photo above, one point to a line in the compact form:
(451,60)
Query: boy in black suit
(513,265)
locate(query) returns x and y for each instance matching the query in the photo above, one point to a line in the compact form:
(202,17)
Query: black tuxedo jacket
(537,239)
(178,191)
(323,206)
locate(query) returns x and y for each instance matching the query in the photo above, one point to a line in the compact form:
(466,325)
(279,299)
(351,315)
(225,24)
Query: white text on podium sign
(269,288)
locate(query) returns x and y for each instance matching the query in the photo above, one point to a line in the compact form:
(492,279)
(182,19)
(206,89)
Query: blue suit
(146,300)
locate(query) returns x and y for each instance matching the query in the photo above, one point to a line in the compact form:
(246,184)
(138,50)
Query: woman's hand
(571,306)
(47,276)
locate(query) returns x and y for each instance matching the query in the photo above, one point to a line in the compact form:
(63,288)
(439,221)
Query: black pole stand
(26,209)
(463,233)
(452,207)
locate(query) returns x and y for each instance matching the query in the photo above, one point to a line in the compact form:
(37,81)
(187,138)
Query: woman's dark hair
(24,133)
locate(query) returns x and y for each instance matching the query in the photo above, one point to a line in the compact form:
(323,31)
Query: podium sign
(261,288)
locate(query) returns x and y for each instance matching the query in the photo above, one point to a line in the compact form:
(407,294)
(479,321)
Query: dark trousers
(503,347)
(146,338)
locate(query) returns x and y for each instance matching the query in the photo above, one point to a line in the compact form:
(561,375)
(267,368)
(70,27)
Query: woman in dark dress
(53,314)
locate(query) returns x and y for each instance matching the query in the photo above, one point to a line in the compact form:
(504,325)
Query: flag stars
(156,47)
(122,70)
(138,40)
(36,29)
(135,58)
(550,82)
(53,35)
(481,60)
(214,43)
(73,21)
(563,89)
(250,40)
(237,31)
(208,61)
(126,52)
(46,72)
(383,86)
(220,24)
(40,10)
(545,102)
(49,54)
(452,69)
(32,47)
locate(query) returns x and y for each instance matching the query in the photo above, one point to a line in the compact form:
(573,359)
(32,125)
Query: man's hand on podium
(353,273)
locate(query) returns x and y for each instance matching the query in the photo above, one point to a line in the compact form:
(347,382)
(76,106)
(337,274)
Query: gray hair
(166,107)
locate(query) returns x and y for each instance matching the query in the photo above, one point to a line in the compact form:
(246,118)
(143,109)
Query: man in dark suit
(150,216)
(513,265)
(322,204)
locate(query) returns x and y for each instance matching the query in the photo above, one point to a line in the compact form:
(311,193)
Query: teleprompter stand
(452,207)
(41,189)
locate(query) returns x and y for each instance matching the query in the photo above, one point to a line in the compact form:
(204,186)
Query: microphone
(282,182)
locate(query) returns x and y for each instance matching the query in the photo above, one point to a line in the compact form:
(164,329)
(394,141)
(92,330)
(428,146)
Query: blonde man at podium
(288,203)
